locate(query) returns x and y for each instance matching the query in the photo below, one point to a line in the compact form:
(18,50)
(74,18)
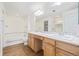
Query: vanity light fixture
(38,13)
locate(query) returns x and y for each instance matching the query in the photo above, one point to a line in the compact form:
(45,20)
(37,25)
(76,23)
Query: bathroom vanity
(54,44)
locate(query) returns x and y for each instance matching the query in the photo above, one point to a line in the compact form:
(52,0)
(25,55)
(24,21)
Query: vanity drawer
(50,41)
(68,47)
(60,52)
(38,37)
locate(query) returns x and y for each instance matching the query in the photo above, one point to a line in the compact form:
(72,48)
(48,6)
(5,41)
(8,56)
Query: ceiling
(27,8)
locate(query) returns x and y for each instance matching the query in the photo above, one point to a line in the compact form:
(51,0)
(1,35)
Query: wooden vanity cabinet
(48,48)
(52,47)
(35,42)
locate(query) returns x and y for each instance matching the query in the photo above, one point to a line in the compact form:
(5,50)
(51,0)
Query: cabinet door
(49,50)
(68,47)
(60,52)
(31,41)
(37,45)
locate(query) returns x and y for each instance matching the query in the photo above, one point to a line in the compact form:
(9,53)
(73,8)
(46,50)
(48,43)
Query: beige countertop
(60,37)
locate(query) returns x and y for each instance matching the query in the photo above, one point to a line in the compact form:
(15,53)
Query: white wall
(31,23)
(15,24)
(39,25)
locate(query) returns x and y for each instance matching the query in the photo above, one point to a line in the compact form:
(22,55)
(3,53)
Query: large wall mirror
(63,20)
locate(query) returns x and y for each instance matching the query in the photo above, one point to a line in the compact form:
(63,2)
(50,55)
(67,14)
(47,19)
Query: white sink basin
(70,37)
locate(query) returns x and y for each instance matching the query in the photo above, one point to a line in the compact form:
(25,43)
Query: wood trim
(60,52)
(38,37)
(70,48)
(49,41)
